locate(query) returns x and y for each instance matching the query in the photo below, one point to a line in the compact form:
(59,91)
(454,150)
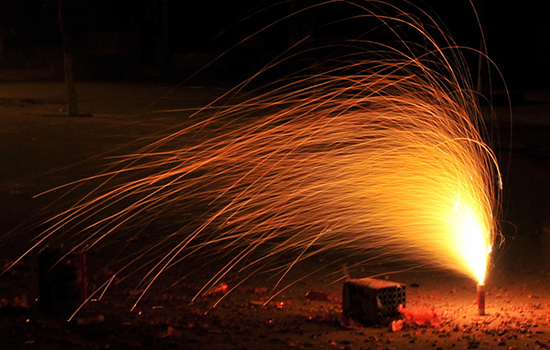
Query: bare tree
(72,97)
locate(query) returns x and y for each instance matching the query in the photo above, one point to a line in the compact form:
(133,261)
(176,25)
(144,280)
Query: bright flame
(378,154)
(473,245)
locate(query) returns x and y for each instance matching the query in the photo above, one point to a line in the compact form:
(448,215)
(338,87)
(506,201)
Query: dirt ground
(42,149)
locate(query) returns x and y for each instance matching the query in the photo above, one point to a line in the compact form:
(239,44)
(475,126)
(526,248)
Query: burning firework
(380,151)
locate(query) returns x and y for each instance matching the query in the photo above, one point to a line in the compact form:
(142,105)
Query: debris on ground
(218,289)
(421,316)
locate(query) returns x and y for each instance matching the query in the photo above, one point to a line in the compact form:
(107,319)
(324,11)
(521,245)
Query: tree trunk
(72,97)
(1,39)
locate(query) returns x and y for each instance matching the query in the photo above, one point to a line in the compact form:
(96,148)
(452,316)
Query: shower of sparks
(380,151)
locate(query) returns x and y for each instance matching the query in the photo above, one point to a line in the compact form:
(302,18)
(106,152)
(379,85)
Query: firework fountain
(379,151)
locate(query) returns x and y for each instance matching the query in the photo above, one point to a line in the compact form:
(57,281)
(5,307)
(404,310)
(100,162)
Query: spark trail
(380,151)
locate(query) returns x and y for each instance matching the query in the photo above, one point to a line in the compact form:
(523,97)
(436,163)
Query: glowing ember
(379,153)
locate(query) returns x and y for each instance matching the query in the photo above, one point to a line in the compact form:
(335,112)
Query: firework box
(62,280)
(370,302)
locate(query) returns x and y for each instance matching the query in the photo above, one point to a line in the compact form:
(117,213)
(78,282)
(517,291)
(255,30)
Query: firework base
(369,301)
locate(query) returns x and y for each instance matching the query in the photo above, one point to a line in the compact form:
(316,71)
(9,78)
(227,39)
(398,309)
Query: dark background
(174,38)
(120,46)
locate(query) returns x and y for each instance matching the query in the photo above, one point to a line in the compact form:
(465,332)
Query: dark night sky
(517,33)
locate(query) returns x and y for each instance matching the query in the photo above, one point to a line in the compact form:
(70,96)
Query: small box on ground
(62,280)
(369,301)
